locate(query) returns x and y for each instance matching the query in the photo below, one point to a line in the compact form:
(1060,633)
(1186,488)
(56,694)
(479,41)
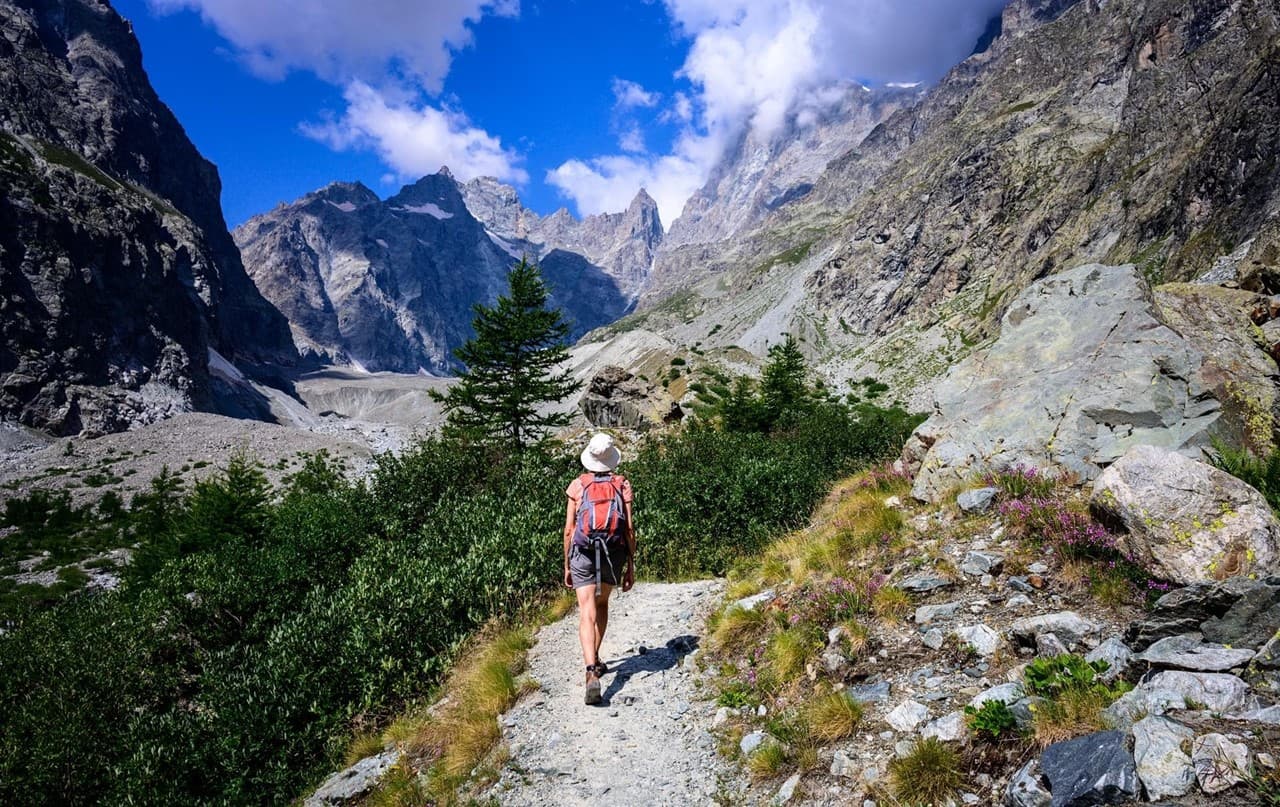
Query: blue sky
(578,102)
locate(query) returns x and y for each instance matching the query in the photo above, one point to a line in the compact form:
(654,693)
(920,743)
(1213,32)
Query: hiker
(599,548)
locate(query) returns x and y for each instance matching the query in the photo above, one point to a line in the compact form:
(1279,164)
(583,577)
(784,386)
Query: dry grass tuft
(832,717)
(929,774)
(1072,713)
(891,603)
(788,651)
(767,761)
(737,626)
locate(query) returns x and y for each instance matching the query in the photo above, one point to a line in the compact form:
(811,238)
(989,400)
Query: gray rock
(870,693)
(933,639)
(1219,762)
(1024,709)
(844,765)
(1048,644)
(1191,652)
(1141,702)
(755,600)
(1217,692)
(948,728)
(976,500)
(1009,693)
(1116,655)
(1094,769)
(1269,715)
(1068,626)
(922,583)
(353,782)
(980,563)
(1027,788)
(907,715)
(1020,584)
(1186,520)
(927,613)
(750,742)
(1018,601)
(1237,612)
(1164,768)
(787,791)
(981,638)
(1038,568)
(1051,394)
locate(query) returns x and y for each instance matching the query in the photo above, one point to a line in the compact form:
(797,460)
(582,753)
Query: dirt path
(649,742)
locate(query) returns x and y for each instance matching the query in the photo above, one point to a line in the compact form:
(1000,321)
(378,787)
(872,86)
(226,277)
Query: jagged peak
(445,172)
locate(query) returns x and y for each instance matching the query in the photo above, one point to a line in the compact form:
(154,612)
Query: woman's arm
(629,578)
(570,508)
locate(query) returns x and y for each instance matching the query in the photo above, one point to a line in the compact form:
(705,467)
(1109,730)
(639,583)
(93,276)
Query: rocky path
(649,743)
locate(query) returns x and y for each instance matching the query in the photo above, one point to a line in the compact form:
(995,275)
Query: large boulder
(1083,368)
(1186,520)
(615,398)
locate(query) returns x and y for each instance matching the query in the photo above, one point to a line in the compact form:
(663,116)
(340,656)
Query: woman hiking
(599,548)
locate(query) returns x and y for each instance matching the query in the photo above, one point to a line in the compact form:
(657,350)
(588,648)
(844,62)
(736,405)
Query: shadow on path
(653,660)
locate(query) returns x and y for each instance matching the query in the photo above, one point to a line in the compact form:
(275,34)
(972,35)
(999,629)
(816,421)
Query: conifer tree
(783,386)
(510,368)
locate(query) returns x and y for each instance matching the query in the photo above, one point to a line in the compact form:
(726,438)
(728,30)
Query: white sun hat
(601,455)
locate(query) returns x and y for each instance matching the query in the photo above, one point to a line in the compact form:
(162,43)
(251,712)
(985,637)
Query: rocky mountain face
(118,278)
(764,171)
(389,285)
(621,245)
(1132,131)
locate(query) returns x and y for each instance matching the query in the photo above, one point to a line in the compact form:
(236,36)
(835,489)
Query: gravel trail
(649,742)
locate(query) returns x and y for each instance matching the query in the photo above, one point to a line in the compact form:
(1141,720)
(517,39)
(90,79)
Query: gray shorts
(582,565)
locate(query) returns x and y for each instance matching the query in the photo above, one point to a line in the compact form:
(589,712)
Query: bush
(928,774)
(994,719)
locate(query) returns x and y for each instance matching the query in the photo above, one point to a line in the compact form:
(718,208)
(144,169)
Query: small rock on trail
(649,742)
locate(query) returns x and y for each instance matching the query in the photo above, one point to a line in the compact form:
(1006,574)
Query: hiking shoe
(601,668)
(593,687)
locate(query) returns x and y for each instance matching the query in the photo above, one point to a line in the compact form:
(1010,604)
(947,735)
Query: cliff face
(1135,131)
(389,285)
(621,245)
(117,272)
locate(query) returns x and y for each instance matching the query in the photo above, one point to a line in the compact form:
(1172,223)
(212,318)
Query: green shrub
(1049,676)
(994,719)
(1263,473)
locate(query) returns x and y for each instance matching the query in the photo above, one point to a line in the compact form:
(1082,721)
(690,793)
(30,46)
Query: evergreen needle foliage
(510,368)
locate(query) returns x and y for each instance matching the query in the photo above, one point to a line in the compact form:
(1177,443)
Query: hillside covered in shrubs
(260,626)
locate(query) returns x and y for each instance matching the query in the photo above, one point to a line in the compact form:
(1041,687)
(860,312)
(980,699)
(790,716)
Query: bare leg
(602,614)
(587,630)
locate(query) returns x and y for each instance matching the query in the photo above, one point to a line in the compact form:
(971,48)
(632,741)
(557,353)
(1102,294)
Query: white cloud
(340,40)
(632,140)
(416,139)
(754,62)
(629,95)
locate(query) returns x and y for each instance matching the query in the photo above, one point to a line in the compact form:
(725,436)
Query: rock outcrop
(389,285)
(621,245)
(1186,521)
(1083,369)
(118,279)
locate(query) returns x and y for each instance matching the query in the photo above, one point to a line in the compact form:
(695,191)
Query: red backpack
(602,514)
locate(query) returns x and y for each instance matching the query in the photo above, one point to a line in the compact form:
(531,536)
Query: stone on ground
(1164,768)
(1185,520)
(1094,769)
(350,784)
(1219,762)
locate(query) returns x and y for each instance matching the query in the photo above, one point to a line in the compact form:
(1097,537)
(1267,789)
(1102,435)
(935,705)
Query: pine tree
(510,368)
(782,381)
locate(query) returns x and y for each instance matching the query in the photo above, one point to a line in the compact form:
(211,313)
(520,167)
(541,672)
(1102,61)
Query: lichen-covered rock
(1163,766)
(1219,762)
(1051,393)
(1185,520)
